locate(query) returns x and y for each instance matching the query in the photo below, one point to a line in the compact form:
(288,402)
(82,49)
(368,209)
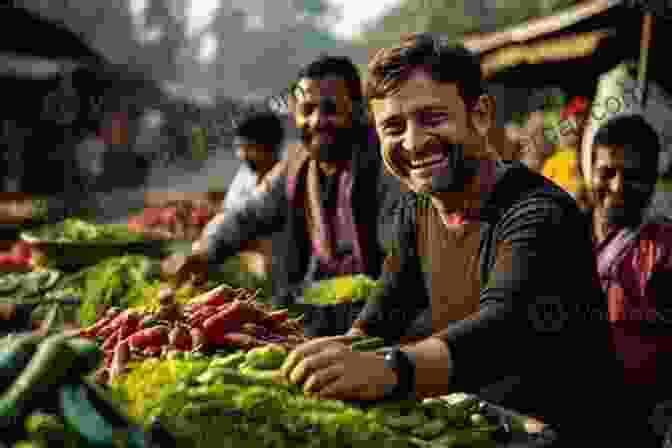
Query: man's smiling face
(420,127)
(323,112)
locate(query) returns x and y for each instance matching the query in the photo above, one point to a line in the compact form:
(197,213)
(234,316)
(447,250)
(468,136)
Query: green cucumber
(430,430)
(50,367)
(49,280)
(368,344)
(224,375)
(465,438)
(259,375)
(49,428)
(9,283)
(406,422)
(214,407)
(16,356)
(82,416)
(232,361)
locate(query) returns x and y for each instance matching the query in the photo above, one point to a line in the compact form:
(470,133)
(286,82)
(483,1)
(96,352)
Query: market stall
(609,51)
(194,365)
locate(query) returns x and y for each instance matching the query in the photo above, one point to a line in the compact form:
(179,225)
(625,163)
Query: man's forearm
(433,367)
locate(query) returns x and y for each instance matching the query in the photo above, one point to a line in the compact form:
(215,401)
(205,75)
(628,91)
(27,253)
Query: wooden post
(647,31)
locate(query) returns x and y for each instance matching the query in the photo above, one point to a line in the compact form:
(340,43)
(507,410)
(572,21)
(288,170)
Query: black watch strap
(403,364)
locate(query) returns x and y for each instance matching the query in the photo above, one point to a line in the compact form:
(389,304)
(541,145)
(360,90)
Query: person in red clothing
(634,255)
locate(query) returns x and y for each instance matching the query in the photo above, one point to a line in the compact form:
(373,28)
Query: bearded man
(323,197)
(483,244)
(634,259)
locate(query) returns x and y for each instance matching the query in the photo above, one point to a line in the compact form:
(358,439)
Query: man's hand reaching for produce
(329,368)
(182,268)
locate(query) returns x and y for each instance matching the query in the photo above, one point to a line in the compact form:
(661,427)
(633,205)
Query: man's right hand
(182,268)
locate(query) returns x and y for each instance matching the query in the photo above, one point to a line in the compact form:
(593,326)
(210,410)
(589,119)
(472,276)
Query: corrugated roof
(539,27)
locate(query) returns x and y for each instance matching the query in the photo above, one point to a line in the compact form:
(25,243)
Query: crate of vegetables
(332,305)
(74,243)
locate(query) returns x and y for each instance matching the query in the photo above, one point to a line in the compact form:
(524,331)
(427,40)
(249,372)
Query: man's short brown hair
(443,61)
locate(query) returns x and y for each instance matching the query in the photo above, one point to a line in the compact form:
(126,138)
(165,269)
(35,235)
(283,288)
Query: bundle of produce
(348,288)
(332,305)
(237,399)
(178,220)
(73,230)
(114,282)
(46,400)
(16,285)
(224,317)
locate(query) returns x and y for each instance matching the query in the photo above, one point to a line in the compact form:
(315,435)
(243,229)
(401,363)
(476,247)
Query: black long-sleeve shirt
(540,331)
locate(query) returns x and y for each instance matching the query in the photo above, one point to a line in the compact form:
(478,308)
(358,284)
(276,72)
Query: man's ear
(482,114)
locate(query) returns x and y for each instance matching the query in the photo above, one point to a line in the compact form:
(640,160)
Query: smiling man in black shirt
(493,280)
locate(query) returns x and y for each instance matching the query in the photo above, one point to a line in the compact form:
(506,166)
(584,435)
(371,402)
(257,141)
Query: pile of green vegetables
(235,399)
(46,399)
(352,288)
(116,281)
(76,230)
(21,285)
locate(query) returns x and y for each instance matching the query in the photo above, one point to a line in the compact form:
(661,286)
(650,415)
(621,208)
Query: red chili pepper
(218,299)
(112,340)
(232,312)
(180,338)
(279,316)
(122,355)
(198,338)
(239,340)
(128,328)
(150,336)
(198,318)
(114,324)
(22,249)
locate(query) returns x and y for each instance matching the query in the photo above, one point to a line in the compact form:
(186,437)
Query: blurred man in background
(324,196)
(634,259)
(258,141)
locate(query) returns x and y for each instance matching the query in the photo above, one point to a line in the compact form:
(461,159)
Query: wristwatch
(403,364)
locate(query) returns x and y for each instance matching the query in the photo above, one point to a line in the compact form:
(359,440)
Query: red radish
(150,336)
(180,338)
(129,327)
(122,355)
(22,249)
(152,350)
(279,315)
(198,338)
(219,299)
(198,318)
(239,340)
(112,340)
(102,376)
(114,324)
(231,313)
